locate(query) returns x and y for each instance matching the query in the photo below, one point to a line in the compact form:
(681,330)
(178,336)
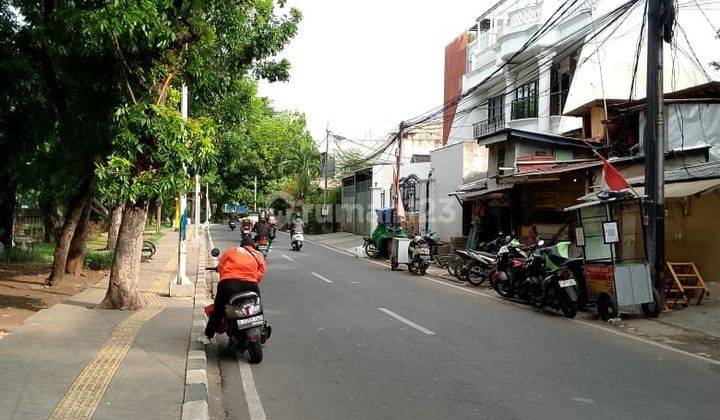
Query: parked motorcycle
(481,264)
(419,253)
(558,287)
(244,322)
(296,241)
(509,269)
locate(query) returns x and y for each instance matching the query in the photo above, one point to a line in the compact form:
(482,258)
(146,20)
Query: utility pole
(207,204)
(255,195)
(181,285)
(324,210)
(654,146)
(398,162)
(197,207)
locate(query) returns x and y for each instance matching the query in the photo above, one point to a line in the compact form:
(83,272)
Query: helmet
(247,241)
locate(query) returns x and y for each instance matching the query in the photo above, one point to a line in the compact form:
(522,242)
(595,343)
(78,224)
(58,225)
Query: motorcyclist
(241,269)
(246,224)
(233,217)
(297,226)
(262,228)
(272,227)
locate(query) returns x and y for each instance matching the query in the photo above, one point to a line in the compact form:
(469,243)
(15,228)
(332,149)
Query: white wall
(447,175)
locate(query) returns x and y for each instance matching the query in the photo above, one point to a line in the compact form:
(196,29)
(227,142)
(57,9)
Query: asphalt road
(352,339)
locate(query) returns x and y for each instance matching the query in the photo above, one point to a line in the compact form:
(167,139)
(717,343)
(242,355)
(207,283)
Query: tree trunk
(114,227)
(7,210)
(76,253)
(62,246)
(158,217)
(123,290)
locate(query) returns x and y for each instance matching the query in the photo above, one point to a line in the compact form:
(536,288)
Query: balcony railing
(479,51)
(525,16)
(525,108)
(488,126)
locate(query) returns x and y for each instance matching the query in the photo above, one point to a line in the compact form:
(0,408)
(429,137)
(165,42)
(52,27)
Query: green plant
(98,260)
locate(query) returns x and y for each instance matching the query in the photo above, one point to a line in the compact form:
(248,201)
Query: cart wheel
(652,309)
(607,307)
(370,250)
(394,265)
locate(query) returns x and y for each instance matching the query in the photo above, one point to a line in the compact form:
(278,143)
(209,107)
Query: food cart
(609,231)
(388,227)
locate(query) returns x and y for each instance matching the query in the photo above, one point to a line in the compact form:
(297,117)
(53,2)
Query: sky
(364,66)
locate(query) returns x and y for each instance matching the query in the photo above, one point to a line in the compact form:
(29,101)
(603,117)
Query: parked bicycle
(148,250)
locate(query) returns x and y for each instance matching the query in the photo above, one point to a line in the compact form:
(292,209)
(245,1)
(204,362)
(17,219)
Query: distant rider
(241,269)
(297,226)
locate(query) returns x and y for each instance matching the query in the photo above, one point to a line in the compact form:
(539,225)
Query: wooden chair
(684,282)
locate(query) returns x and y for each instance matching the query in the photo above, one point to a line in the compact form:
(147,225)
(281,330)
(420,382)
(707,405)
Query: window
(525,103)
(559,89)
(500,158)
(496,107)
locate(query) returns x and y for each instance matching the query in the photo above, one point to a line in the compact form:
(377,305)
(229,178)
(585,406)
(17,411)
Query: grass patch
(96,257)
(40,255)
(98,260)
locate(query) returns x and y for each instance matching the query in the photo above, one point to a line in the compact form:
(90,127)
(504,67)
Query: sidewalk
(72,361)
(695,329)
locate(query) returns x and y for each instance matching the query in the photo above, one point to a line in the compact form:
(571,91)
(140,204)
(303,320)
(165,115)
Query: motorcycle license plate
(253,321)
(567,283)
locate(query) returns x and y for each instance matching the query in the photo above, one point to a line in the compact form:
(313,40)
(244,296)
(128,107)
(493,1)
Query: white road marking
(407,321)
(497,298)
(326,280)
(583,400)
(287,258)
(255,407)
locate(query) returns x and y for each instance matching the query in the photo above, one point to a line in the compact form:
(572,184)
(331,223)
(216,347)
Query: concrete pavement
(74,361)
(371,343)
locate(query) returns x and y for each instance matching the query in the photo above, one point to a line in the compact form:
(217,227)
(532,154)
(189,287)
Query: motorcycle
(419,251)
(243,322)
(296,240)
(481,264)
(475,266)
(554,283)
(262,244)
(509,269)
(233,225)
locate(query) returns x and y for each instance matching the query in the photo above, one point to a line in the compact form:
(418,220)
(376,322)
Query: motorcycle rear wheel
(475,275)
(371,251)
(568,308)
(499,288)
(255,352)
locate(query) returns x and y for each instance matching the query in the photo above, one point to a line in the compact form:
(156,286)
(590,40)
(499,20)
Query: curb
(196,395)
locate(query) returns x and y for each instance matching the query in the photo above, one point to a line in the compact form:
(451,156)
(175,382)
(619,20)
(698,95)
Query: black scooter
(245,323)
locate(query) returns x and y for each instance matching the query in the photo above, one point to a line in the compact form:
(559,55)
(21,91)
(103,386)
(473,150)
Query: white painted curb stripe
(407,321)
(321,277)
(255,407)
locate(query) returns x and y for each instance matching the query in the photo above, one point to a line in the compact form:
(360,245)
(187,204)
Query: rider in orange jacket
(241,269)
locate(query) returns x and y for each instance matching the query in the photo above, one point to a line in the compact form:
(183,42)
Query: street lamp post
(181,286)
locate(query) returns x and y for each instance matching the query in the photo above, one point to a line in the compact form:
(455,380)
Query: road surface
(353,340)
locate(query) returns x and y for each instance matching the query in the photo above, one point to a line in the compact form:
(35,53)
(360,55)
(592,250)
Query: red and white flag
(612,180)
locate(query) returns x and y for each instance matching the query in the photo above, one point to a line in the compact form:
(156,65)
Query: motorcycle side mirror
(541,242)
(215,252)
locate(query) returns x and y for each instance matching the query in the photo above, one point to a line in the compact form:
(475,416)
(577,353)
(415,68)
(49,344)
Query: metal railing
(489,126)
(524,108)
(479,51)
(525,16)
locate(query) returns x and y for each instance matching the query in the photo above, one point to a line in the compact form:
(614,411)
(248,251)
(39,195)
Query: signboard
(610,232)
(579,236)
(600,278)
(324,210)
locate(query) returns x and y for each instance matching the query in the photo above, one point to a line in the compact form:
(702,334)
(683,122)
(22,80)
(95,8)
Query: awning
(467,195)
(674,190)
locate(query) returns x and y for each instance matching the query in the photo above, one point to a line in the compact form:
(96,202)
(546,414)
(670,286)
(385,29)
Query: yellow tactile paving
(84,395)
